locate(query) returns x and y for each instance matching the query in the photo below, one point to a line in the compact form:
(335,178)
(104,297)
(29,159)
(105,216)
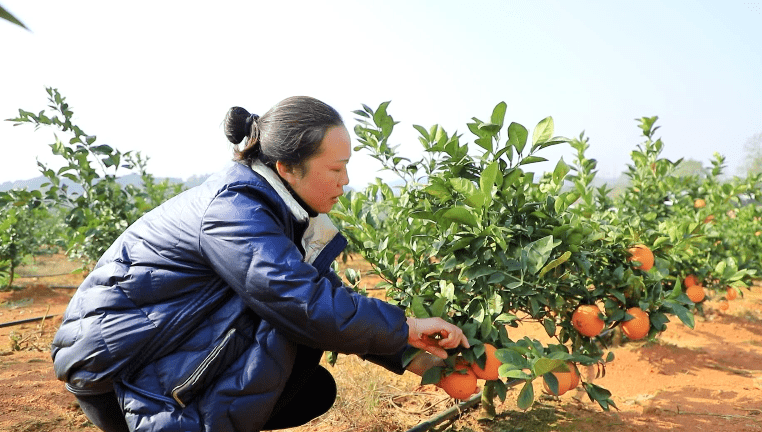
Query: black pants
(309,393)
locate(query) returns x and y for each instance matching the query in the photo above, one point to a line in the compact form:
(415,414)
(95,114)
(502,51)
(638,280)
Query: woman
(211,312)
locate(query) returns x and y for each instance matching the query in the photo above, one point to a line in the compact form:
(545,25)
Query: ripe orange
(490,367)
(586,320)
(459,385)
(690,280)
(724,305)
(566,380)
(643,255)
(638,327)
(708,219)
(732,293)
(699,203)
(695,293)
(574,375)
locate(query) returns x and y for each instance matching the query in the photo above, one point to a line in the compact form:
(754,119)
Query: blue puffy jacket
(193,316)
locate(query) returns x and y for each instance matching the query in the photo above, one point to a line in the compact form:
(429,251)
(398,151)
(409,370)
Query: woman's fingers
(435,335)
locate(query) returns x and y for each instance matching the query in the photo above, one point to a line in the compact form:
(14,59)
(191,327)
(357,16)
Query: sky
(158,76)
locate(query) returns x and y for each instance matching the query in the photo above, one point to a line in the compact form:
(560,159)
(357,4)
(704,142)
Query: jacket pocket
(222,356)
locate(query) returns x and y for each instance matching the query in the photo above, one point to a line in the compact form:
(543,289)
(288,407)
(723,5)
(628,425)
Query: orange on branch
(567,380)
(490,367)
(638,327)
(690,280)
(695,293)
(699,203)
(731,294)
(642,254)
(461,383)
(586,320)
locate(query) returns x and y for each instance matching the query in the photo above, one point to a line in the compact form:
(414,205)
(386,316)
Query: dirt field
(705,379)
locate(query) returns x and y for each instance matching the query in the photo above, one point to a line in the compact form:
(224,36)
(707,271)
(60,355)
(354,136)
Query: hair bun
(238,124)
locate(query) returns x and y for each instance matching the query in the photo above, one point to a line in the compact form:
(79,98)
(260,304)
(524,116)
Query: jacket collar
(275,181)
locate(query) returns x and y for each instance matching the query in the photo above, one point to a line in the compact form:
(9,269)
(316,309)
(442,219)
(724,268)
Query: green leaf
(462,215)
(4,14)
(517,136)
(550,326)
(545,365)
(506,371)
(511,177)
(419,310)
(538,252)
(498,114)
(681,311)
(555,263)
(438,307)
(543,131)
(487,180)
(422,130)
(560,172)
(526,397)
(432,376)
(474,272)
(532,159)
(552,382)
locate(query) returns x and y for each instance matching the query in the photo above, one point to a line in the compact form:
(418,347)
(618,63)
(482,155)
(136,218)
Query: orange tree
(730,249)
(472,236)
(102,208)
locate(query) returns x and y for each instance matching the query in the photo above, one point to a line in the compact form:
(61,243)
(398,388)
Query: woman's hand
(421,331)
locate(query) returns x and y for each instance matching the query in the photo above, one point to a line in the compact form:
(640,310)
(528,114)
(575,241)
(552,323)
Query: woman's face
(322,181)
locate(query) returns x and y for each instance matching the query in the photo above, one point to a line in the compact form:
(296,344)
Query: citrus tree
(97,214)
(20,214)
(479,240)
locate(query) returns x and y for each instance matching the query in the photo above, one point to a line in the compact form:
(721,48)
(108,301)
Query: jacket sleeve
(245,242)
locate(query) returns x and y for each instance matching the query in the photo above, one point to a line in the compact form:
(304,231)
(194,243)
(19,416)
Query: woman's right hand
(421,330)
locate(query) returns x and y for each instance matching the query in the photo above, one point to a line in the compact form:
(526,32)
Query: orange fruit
(758,233)
(724,305)
(732,294)
(460,384)
(708,219)
(638,327)
(643,255)
(690,280)
(695,293)
(699,203)
(586,320)
(567,380)
(490,367)
(574,375)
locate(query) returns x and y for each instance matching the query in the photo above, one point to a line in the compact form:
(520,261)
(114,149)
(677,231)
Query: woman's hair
(290,132)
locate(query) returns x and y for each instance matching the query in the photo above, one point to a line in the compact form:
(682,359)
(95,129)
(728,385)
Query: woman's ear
(286,172)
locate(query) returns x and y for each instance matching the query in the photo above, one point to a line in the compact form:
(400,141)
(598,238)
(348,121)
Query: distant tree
(753,156)
(690,167)
(4,14)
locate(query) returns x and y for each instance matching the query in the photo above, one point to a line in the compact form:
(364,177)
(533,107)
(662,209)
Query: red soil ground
(705,379)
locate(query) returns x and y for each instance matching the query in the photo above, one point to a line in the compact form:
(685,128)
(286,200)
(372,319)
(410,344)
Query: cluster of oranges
(587,320)
(462,383)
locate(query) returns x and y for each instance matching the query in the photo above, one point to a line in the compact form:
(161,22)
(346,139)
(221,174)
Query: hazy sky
(158,76)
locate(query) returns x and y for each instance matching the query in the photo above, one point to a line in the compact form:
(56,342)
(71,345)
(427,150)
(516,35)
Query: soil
(704,379)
